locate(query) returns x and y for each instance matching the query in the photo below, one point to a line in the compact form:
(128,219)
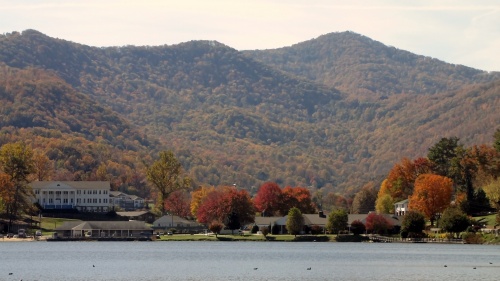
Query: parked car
(21,233)
(10,235)
(38,233)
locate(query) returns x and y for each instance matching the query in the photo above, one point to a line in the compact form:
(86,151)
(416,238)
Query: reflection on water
(246,261)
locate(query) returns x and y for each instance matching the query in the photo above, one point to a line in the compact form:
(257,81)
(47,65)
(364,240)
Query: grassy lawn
(489,220)
(49,224)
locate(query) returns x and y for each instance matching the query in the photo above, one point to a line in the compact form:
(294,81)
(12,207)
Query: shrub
(357,227)
(351,238)
(377,224)
(275,229)
(413,223)
(216,227)
(316,229)
(472,238)
(264,230)
(255,228)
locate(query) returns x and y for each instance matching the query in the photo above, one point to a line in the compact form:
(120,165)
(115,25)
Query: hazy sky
(457,31)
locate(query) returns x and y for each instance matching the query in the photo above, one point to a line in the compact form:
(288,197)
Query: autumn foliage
(378,224)
(221,203)
(271,200)
(268,199)
(432,195)
(178,203)
(400,181)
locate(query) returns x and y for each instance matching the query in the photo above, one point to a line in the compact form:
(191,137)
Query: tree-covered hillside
(232,119)
(365,67)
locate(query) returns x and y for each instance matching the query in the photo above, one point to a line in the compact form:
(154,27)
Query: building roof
(105,225)
(168,219)
(314,219)
(401,202)
(266,220)
(116,193)
(70,185)
(121,194)
(132,214)
(362,218)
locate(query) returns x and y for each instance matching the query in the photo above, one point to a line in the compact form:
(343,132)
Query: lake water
(246,261)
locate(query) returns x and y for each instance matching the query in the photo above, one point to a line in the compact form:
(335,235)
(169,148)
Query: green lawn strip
(489,220)
(48,225)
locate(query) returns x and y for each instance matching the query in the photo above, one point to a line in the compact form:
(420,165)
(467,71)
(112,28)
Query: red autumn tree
(212,208)
(432,195)
(178,203)
(215,227)
(268,199)
(378,224)
(224,203)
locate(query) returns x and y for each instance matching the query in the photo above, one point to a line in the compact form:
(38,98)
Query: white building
(401,207)
(125,201)
(85,196)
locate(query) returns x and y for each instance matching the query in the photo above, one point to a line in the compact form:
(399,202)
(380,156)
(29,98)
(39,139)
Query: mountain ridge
(232,118)
(336,52)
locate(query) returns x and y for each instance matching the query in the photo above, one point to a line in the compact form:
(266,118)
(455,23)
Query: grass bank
(250,237)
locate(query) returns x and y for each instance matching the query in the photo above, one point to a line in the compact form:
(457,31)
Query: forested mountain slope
(232,119)
(365,67)
(77,134)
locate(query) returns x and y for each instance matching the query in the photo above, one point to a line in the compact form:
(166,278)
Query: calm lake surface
(237,260)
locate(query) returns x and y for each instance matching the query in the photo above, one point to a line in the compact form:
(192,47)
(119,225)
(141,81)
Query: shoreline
(30,239)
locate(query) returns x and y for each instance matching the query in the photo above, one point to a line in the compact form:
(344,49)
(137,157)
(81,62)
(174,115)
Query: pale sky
(463,32)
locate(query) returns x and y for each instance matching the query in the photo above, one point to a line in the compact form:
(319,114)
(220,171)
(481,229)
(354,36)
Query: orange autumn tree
(400,180)
(431,195)
(299,197)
